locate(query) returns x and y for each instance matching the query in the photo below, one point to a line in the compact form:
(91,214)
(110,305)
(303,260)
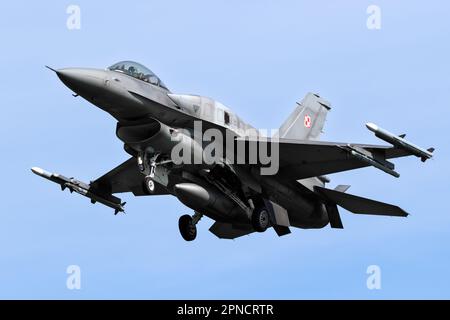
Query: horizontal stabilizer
(360,205)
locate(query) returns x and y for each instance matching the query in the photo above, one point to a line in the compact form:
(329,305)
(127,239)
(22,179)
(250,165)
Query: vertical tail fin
(307,120)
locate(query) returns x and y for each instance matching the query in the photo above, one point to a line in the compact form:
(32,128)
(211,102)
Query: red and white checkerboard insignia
(307,121)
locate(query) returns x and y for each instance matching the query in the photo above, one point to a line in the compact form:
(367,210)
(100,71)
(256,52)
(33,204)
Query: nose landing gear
(150,184)
(188,226)
(148,167)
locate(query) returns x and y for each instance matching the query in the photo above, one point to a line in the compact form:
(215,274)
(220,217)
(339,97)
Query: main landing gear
(188,226)
(260,219)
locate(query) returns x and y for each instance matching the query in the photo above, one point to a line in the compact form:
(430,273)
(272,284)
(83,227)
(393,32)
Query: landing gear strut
(148,166)
(187,226)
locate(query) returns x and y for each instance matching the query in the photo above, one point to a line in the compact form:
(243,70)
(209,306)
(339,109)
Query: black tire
(260,219)
(150,185)
(188,230)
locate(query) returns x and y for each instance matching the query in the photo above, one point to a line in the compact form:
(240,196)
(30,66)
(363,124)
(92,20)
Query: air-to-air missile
(81,188)
(400,142)
(385,166)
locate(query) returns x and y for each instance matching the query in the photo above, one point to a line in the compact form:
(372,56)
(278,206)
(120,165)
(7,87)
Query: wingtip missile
(83,189)
(41,172)
(372,127)
(400,142)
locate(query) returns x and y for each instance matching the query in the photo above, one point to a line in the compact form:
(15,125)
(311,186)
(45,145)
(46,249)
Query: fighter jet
(233,189)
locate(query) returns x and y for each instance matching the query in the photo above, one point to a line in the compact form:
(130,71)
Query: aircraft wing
(300,159)
(125,178)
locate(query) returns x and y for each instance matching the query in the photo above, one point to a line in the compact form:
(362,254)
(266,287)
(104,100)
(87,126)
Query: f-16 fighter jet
(201,152)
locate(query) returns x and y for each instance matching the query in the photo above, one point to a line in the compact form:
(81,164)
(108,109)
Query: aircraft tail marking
(307,120)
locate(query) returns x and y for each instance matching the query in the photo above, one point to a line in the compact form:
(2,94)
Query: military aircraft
(233,191)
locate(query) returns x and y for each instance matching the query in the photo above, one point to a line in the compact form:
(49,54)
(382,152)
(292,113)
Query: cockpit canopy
(137,71)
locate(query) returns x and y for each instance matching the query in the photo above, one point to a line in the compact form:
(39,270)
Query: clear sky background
(258,58)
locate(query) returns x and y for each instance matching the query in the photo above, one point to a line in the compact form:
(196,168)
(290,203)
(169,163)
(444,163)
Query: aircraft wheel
(187,228)
(150,185)
(260,219)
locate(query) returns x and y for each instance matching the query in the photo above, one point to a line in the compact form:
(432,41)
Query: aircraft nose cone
(82,81)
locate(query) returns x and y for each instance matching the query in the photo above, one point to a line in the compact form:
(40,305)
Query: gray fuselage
(133,103)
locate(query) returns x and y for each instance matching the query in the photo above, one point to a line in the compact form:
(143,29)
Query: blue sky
(257,57)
